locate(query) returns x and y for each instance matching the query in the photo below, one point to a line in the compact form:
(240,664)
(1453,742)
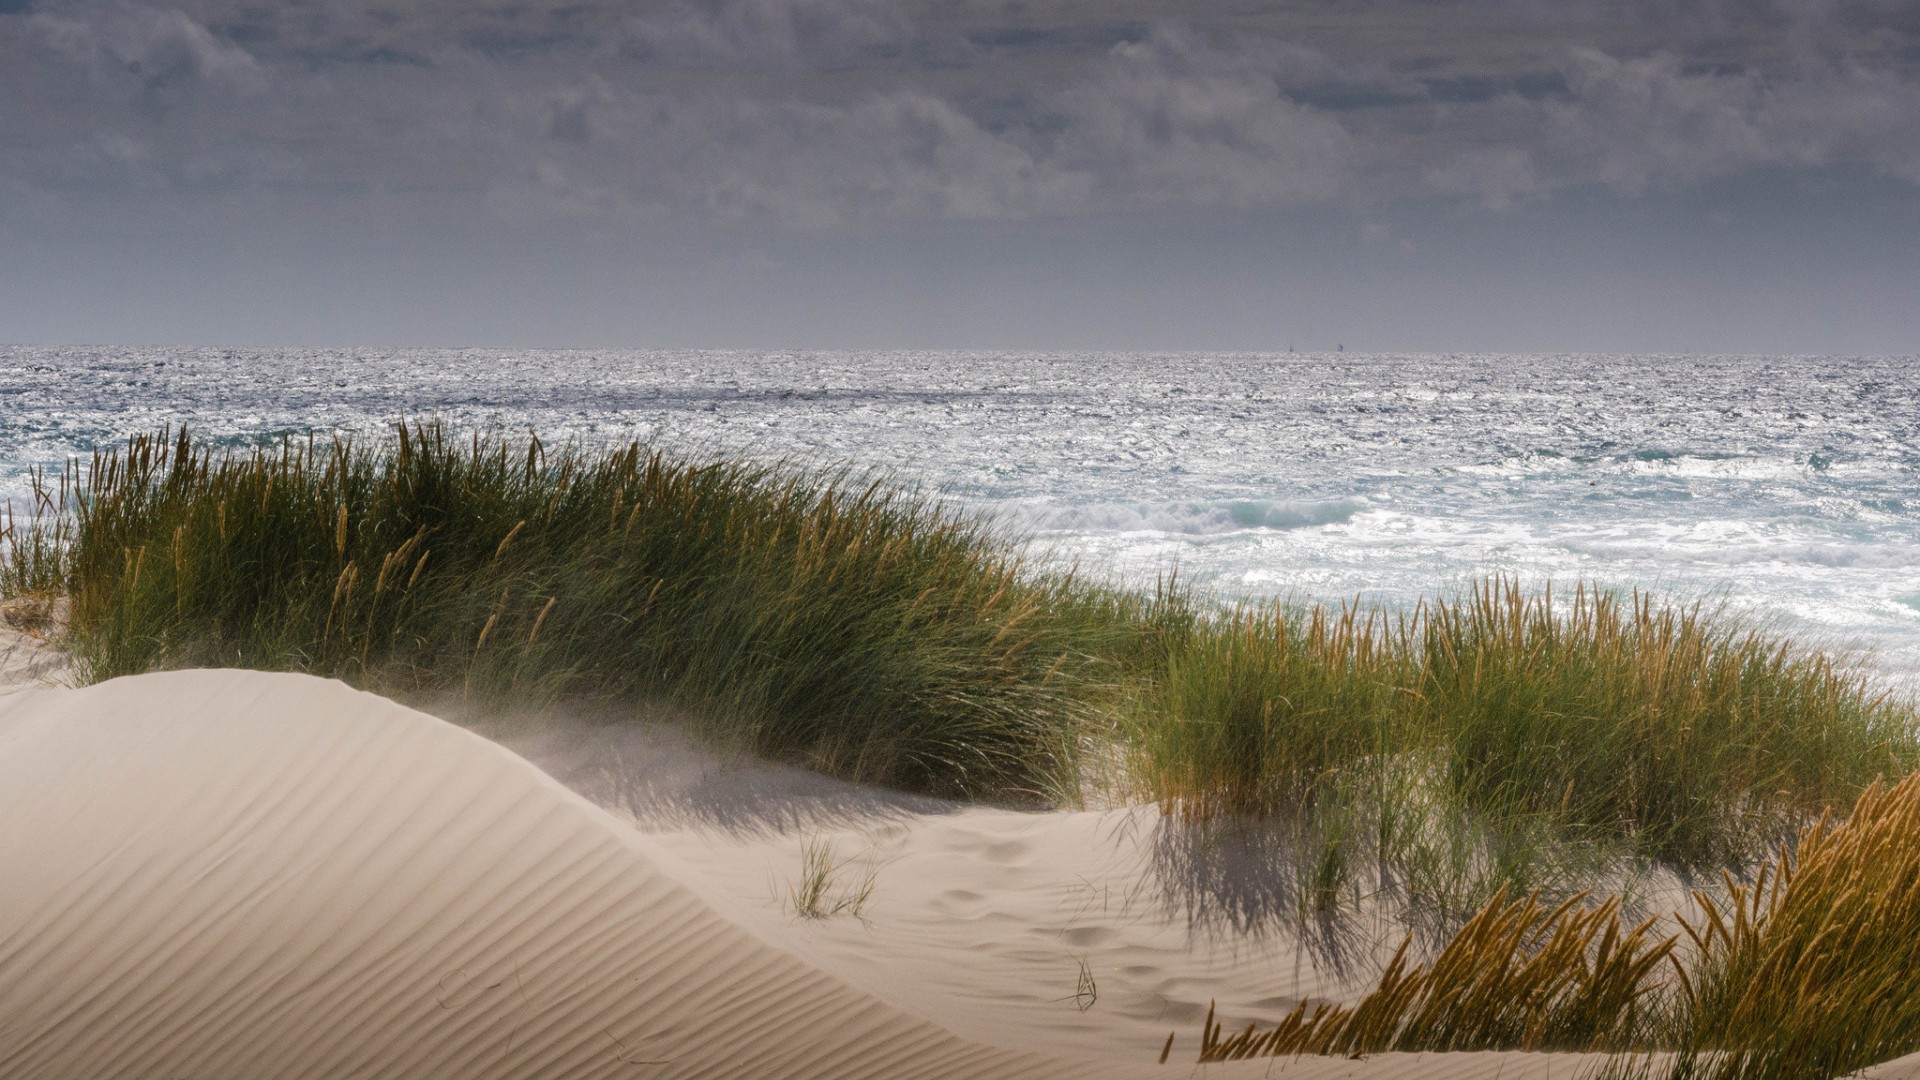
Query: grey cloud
(902,153)
(1498,176)
(816,113)
(753,33)
(1174,119)
(1170,120)
(155,47)
(1659,122)
(1635,123)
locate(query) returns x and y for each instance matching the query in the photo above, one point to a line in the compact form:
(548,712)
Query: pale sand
(218,874)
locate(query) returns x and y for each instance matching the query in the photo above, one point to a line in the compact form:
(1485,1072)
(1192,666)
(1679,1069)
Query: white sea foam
(1188,518)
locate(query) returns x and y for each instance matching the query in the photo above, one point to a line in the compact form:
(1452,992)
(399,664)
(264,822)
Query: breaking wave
(1191,518)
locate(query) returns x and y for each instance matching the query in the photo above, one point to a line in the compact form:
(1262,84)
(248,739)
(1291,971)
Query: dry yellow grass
(1808,971)
(1813,969)
(1518,976)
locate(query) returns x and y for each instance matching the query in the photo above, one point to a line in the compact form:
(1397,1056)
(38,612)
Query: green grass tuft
(824,618)
(1698,741)
(816,894)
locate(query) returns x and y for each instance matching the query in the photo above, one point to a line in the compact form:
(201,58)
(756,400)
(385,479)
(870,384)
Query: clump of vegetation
(1805,972)
(33,551)
(1809,970)
(1517,976)
(823,618)
(818,894)
(1505,739)
(1698,741)
(1260,709)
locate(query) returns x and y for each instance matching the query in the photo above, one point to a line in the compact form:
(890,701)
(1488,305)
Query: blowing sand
(223,874)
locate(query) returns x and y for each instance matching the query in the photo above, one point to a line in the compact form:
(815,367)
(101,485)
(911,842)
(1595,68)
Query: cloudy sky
(1720,175)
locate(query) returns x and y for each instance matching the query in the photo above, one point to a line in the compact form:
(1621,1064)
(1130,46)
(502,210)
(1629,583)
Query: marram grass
(1518,976)
(824,618)
(1813,968)
(818,893)
(1696,740)
(1260,709)
(1808,971)
(1504,738)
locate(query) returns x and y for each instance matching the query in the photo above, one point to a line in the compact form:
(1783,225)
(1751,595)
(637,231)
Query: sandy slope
(228,874)
(237,875)
(981,917)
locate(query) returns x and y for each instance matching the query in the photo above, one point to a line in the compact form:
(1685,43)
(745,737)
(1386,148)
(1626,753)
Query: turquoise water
(1786,486)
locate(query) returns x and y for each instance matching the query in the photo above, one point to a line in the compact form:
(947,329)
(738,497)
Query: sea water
(1786,487)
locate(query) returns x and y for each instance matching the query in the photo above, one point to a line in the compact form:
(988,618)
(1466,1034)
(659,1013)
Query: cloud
(1175,120)
(818,113)
(152,48)
(807,164)
(1641,122)
(1497,176)
(1168,121)
(785,34)
(1657,122)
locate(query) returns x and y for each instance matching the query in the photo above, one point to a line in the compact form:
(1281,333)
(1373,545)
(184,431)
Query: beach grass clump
(1257,709)
(819,892)
(1530,740)
(1520,975)
(1696,739)
(33,545)
(1805,971)
(826,618)
(1809,970)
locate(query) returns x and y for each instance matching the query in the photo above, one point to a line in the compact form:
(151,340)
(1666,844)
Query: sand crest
(222,874)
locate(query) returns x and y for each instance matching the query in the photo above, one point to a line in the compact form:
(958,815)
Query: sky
(1386,175)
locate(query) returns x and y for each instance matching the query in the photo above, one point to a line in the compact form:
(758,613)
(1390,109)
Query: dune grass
(1699,741)
(33,547)
(818,893)
(1261,709)
(1810,969)
(1804,972)
(825,618)
(1518,976)
(1504,737)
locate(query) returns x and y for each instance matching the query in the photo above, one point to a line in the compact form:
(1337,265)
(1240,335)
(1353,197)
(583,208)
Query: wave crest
(1193,518)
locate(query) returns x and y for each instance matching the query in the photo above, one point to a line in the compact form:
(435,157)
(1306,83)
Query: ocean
(1785,487)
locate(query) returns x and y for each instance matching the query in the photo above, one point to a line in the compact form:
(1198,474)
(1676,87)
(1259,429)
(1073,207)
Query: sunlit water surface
(1787,486)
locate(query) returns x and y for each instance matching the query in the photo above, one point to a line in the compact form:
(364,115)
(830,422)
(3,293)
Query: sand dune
(240,875)
(982,918)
